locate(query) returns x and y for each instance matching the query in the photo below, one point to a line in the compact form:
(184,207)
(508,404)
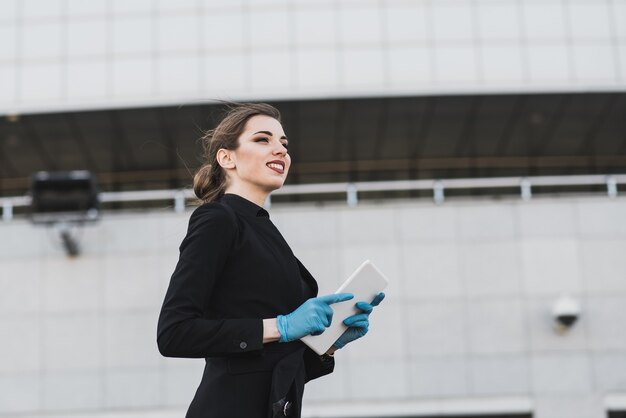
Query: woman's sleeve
(315,366)
(183,329)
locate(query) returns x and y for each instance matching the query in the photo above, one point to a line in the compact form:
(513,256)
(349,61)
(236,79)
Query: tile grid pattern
(68,54)
(468,312)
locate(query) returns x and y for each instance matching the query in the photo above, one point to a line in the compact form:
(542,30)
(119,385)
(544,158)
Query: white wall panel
(87,79)
(540,219)
(502,64)
(177,34)
(129,7)
(561,373)
(23,392)
(72,342)
(10,9)
(41,82)
(314,27)
(8,75)
(271,70)
(388,385)
(551,266)
(87,38)
(453,21)
(177,6)
(499,374)
(456,65)
(498,21)
(179,384)
(407,23)
(178,75)
(448,327)
(435,224)
(618,18)
(441,376)
(131,282)
(218,34)
(76,8)
(604,266)
(130,340)
(71,285)
(269,28)
(42,8)
(133,77)
(486,222)
(410,66)
(605,313)
(431,271)
(225,74)
(22,351)
(8,46)
(544,20)
(594,62)
(361,66)
(71,391)
(549,64)
(609,369)
(496,326)
(132,388)
(316,68)
(368,48)
(360,25)
(42,41)
(437,328)
(20,286)
(491,268)
(132,35)
(590,20)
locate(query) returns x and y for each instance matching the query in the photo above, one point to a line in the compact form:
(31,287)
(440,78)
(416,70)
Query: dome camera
(565,312)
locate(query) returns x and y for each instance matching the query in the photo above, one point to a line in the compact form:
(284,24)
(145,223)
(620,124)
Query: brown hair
(209,182)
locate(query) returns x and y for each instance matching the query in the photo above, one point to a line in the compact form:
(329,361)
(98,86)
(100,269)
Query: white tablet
(365,283)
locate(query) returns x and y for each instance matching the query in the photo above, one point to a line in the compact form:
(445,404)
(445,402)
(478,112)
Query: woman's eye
(285,145)
(262,139)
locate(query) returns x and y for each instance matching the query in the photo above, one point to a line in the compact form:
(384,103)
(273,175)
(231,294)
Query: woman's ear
(225,158)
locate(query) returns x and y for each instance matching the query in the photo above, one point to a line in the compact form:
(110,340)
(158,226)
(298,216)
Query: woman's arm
(183,329)
(270,331)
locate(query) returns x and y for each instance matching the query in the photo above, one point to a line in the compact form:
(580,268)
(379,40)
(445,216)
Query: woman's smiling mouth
(277,166)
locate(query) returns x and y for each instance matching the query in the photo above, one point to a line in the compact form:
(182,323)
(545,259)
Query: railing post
(7,210)
(179,202)
(438,192)
(611,186)
(526,189)
(352,195)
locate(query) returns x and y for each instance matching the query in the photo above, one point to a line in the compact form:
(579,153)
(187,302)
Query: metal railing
(351,190)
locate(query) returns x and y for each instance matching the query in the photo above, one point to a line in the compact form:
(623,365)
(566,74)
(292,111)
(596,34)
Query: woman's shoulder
(214,213)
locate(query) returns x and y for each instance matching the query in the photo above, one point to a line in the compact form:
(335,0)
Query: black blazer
(234,270)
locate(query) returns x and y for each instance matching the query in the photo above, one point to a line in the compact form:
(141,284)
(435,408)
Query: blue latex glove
(312,317)
(358,324)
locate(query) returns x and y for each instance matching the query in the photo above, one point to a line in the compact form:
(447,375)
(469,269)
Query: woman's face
(261,161)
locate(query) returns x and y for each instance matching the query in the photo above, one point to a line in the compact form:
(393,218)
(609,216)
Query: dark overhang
(333,140)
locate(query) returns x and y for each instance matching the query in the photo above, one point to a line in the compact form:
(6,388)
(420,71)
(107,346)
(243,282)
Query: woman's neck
(255,196)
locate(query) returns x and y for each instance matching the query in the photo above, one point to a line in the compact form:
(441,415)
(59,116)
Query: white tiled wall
(70,54)
(468,312)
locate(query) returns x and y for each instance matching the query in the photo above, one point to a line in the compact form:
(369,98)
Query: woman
(238,296)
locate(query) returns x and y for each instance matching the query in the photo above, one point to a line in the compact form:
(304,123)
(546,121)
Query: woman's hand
(311,318)
(358,324)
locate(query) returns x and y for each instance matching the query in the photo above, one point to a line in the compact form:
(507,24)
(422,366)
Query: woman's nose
(279,149)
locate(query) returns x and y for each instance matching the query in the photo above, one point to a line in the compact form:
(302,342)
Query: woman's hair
(209,182)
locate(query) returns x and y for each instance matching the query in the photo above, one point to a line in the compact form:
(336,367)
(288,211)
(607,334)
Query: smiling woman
(238,296)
